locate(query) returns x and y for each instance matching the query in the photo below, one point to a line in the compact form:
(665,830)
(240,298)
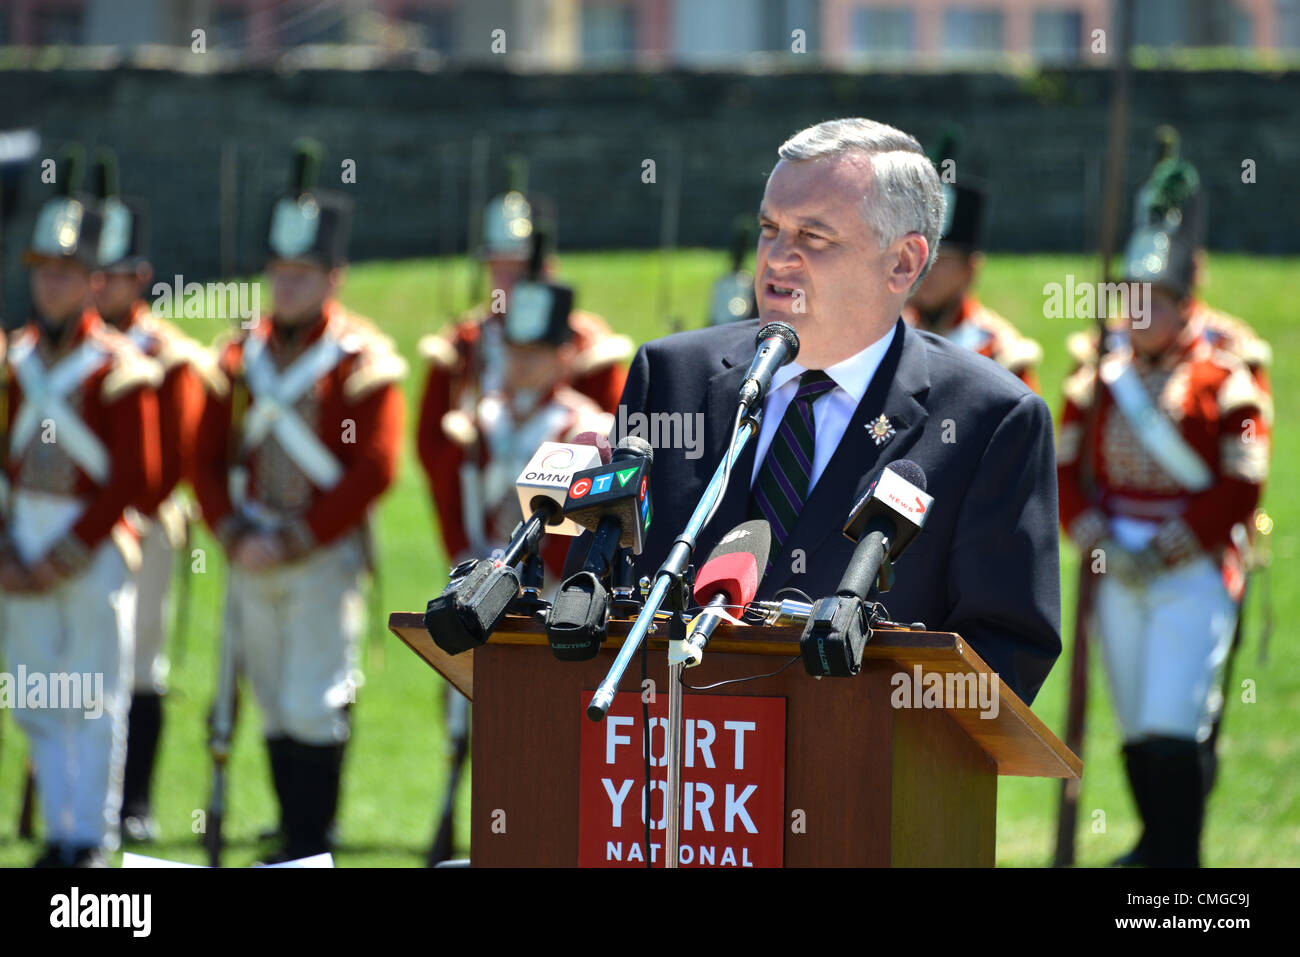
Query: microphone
(882,523)
(613,502)
(480,591)
(730,576)
(777,344)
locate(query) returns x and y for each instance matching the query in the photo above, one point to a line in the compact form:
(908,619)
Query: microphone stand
(672,585)
(672,793)
(671,574)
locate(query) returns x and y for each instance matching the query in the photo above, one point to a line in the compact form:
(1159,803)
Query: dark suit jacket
(985,565)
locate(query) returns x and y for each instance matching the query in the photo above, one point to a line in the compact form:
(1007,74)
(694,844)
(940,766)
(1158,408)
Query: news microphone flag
(548,476)
(620,488)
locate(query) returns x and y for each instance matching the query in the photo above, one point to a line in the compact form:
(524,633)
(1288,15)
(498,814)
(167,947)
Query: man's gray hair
(906,197)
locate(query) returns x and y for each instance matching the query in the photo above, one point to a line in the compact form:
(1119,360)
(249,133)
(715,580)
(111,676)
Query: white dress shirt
(832,411)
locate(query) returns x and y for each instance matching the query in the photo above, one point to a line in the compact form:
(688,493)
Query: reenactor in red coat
(944,304)
(1162,454)
(288,463)
(577,365)
(1223,331)
(80,442)
(188,370)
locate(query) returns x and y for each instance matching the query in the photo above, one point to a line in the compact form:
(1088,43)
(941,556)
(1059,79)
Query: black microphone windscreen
(782,329)
(638,446)
(909,470)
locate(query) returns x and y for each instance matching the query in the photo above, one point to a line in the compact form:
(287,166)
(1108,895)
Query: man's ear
(143,274)
(910,254)
(336,277)
(975,262)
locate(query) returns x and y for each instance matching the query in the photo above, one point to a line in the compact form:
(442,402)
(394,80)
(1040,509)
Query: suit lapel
(901,377)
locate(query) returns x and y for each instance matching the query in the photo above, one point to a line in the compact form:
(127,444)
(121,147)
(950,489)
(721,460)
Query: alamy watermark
(664,430)
(209,300)
(1091,300)
(73,690)
(948,691)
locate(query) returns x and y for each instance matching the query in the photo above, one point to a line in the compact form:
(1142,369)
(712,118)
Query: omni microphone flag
(548,475)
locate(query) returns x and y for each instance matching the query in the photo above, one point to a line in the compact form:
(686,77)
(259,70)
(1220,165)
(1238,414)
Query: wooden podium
(880,785)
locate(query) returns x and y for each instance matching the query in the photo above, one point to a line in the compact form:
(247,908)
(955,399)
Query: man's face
(536,367)
(949,278)
(819,265)
(504,273)
(1168,315)
(119,291)
(300,289)
(60,288)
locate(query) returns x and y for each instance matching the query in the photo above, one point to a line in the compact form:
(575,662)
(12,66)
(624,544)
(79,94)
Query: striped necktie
(782,485)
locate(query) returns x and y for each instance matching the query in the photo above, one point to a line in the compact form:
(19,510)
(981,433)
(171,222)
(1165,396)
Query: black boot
(143,730)
(276,749)
(1207,752)
(1178,799)
(1136,765)
(315,772)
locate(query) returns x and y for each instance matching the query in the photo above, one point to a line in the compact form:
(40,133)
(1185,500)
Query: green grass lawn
(396,766)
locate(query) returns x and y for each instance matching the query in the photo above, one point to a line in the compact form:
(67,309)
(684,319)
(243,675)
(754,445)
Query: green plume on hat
(69,170)
(307,154)
(1173,181)
(105,177)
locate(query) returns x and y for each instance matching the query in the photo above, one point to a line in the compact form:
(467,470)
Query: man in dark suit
(849,224)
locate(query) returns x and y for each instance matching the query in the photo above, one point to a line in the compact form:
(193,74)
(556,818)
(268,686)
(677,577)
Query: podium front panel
(865,784)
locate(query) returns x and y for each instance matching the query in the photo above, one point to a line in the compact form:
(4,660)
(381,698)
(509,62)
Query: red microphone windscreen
(736,574)
(601,442)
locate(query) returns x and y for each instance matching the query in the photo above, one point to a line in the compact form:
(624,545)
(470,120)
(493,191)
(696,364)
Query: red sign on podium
(733,783)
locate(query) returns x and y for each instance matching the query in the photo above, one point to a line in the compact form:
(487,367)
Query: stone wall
(1037,139)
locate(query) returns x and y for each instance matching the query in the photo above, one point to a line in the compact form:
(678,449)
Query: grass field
(396,767)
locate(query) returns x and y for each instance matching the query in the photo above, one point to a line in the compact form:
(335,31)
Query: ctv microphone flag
(621,488)
(548,475)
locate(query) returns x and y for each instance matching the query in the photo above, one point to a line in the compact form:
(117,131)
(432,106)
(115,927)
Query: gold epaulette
(1012,349)
(1080,386)
(378,363)
(376,367)
(1240,390)
(604,352)
(1245,343)
(131,368)
(1082,348)
(178,348)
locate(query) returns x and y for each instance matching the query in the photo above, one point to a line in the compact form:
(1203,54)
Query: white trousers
(81,631)
(295,630)
(152,582)
(1164,645)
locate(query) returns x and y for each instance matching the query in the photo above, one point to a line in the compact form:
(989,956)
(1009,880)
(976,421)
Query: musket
(184,590)
(221,727)
(1068,809)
